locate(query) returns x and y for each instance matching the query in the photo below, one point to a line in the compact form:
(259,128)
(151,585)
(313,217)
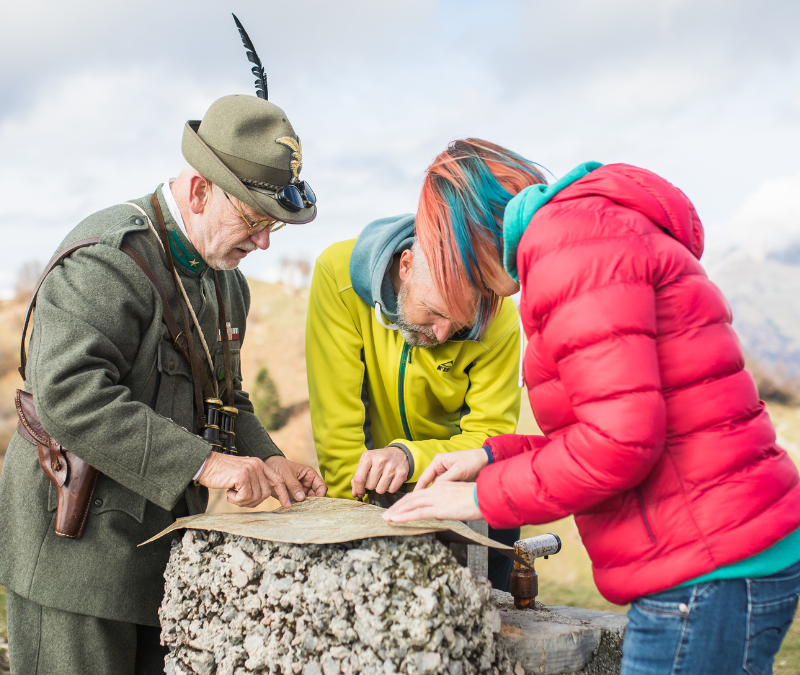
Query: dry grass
(787,661)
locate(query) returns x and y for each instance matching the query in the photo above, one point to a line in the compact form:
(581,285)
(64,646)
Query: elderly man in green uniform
(110,385)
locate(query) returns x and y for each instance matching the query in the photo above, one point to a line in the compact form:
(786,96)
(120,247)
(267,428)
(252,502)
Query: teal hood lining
(524,206)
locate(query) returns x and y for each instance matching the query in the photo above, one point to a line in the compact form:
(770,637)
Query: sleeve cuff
(202,466)
(409,457)
(506,446)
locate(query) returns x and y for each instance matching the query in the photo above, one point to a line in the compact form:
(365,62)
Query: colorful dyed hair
(459,224)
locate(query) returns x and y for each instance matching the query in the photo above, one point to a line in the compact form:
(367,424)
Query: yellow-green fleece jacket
(369,389)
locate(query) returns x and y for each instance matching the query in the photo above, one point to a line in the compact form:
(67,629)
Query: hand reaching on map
(460,465)
(292,481)
(383,470)
(443,501)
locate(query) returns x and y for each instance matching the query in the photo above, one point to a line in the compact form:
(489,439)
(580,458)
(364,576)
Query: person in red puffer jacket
(655,438)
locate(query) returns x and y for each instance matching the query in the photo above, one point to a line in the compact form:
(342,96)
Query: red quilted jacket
(655,437)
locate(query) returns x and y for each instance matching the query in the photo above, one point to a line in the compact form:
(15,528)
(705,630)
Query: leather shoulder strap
(56,259)
(196,367)
(226,348)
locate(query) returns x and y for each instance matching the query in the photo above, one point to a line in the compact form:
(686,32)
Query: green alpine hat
(246,145)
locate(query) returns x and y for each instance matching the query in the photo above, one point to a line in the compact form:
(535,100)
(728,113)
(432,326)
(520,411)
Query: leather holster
(74,478)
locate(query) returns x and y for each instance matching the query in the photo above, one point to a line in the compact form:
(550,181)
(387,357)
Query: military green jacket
(110,387)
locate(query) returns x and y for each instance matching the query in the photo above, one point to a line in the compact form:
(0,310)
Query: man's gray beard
(218,262)
(221,265)
(411,331)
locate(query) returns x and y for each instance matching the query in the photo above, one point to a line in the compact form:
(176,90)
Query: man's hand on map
(249,480)
(290,478)
(383,470)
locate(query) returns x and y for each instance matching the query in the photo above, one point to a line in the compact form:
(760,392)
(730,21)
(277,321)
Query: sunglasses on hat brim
(295,196)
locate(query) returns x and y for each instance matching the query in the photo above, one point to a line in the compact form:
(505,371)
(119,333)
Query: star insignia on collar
(194,262)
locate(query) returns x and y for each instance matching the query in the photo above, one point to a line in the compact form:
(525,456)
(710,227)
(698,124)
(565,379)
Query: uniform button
(138,221)
(171,364)
(684,608)
(98,502)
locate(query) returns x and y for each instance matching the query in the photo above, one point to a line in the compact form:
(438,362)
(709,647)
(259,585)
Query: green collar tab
(524,206)
(191,262)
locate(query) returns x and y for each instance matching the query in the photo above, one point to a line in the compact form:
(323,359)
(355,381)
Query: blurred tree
(295,272)
(267,402)
(27,277)
(773,383)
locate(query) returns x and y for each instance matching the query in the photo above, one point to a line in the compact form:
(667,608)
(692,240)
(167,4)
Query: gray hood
(371,260)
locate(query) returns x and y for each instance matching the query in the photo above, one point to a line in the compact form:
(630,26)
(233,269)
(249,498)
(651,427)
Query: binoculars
(220,428)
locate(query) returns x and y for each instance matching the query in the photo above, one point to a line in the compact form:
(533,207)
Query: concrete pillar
(476,558)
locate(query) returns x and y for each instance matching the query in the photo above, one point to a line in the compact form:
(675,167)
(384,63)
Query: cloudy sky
(94,96)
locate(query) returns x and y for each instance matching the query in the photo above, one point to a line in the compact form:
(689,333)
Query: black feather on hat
(252,56)
(247,146)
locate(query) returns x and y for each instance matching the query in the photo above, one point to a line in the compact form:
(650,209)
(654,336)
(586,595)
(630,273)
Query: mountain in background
(765,299)
(755,260)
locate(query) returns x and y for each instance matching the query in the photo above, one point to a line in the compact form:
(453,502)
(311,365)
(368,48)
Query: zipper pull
(410,348)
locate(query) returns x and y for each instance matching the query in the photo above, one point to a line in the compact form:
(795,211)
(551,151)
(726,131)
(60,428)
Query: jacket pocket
(645,519)
(771,606)
(108,496)
(175,398)
(236,368)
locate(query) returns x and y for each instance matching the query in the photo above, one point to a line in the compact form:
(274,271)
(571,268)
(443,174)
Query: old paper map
(325,520)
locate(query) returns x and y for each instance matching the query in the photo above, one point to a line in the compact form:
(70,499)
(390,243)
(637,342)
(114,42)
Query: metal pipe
(525,580)
(538,547)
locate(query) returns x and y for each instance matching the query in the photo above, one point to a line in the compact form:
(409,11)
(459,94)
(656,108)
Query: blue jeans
(724,627)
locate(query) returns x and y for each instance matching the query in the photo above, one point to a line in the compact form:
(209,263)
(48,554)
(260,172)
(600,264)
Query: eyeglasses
(258,225)
(295,196)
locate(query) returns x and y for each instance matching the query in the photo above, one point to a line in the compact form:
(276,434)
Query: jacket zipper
(404,358)
(644,515)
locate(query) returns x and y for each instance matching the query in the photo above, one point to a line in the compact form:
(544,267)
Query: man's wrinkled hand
(249,480)
(293,481)
(383,470)
(460,465)
(245,478)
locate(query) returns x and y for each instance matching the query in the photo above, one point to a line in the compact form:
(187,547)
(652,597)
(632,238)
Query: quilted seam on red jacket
(655,437)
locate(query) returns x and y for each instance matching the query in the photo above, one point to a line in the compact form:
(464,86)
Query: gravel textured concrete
(236,606)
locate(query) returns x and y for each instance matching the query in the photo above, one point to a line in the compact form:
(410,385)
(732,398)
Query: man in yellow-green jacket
(392,381)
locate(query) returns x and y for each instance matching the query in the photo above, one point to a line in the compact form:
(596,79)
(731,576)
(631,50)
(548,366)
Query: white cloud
(768,220)
(703,92)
